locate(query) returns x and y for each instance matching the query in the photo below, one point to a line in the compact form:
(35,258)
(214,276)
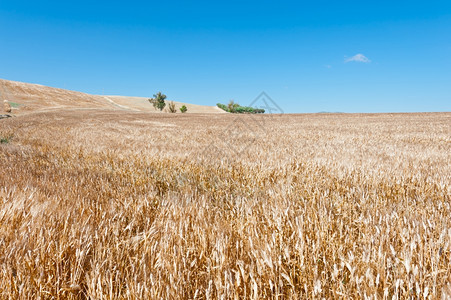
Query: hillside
(142,104)
(29,98)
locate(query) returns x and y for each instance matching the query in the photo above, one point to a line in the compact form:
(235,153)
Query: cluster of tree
(158,102)
(233,107)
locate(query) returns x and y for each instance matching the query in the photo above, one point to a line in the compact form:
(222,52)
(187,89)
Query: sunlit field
(98,204)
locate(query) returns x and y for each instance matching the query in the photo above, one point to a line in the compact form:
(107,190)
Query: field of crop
(111,205)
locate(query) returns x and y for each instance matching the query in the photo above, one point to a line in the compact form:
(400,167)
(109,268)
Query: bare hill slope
(142,104)
(28,98)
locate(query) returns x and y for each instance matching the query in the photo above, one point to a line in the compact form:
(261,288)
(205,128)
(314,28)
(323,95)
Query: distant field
(112,204)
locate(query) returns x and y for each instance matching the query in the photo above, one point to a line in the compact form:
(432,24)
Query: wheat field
(110,205)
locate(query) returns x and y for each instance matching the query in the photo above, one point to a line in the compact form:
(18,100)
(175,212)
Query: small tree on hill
(158,101)
(183,109)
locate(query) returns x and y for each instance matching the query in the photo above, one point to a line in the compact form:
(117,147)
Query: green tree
(158,101)
(183,109)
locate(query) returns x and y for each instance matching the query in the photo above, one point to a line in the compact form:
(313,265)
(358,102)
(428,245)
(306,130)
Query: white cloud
(358,58)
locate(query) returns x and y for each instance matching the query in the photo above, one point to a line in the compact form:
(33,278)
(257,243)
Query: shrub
(183,109)
(5,138)
(171,107)
(14,104)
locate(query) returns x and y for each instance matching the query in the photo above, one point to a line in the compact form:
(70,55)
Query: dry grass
(106,205)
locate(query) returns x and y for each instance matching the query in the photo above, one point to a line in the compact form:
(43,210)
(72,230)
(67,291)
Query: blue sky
(309,56)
